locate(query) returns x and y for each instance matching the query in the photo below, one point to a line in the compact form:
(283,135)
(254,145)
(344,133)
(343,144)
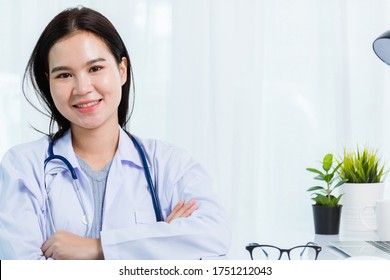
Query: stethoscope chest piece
(84,220)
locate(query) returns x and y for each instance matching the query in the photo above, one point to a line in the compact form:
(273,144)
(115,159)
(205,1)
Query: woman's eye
(63,76)
(95,68)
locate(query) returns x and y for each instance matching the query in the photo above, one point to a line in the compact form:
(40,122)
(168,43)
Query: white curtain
(255,90)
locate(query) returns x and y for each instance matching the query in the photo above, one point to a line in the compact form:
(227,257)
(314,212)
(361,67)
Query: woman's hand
(182,210)
(64,245)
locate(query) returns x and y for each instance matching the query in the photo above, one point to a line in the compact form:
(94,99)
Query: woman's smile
(87,106)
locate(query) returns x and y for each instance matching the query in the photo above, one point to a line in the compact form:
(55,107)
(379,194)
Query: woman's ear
(123,70)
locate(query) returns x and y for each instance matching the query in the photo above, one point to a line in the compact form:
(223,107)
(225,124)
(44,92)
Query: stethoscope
(76,185)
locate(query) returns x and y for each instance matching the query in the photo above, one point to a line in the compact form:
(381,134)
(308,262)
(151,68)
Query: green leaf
(320,177)
(327,162)
(321,200)
(340,183)
(337,167)
(315,188)
(314,171)
(328,177)
(338,199)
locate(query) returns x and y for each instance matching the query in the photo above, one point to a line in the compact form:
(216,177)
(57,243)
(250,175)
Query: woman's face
(86,80)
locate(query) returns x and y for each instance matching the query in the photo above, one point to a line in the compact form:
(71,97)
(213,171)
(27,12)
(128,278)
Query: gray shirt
(98,181)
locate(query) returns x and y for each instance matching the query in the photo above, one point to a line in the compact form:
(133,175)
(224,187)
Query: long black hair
(65,23)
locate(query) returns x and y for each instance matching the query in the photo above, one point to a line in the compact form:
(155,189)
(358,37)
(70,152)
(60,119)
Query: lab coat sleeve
(21,215)
(205,234)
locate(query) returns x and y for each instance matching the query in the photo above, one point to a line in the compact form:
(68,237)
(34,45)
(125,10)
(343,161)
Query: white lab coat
(129,229)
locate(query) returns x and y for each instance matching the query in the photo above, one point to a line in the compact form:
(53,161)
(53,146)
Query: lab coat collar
(63,147)
(126,150)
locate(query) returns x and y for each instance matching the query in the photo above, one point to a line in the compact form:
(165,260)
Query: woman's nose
(83,84)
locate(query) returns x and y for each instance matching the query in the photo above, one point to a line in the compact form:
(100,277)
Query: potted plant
(326,210)
(365,174)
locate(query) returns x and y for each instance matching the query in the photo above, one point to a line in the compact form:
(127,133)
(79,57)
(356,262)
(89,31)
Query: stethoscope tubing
(152,189)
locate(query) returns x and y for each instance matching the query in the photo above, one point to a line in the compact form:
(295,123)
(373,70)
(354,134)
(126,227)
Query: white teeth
(87,104)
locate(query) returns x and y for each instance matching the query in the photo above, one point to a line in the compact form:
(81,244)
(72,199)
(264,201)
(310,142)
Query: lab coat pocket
(144,217)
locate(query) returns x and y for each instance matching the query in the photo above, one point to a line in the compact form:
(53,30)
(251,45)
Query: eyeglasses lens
(265,253)
(303,253)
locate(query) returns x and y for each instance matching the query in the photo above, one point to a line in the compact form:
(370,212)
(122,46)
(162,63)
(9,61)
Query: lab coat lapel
(126,154)
(64,147)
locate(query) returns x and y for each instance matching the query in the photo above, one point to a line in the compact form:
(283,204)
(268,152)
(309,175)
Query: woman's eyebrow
(93,61)
(67,68)
(59,68)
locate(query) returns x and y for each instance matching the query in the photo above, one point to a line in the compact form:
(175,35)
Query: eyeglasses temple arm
(308,243)
(265,253)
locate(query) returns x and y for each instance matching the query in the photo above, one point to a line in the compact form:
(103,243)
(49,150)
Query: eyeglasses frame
(250,247)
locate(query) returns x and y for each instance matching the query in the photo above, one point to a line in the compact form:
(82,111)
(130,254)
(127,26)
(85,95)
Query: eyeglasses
(309,251)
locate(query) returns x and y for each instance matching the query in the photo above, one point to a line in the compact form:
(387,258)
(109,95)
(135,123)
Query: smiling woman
(81,70)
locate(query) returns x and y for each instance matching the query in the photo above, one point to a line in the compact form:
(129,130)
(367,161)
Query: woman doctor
(81,70)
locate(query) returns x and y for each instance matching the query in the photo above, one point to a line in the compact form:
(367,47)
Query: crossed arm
(65,245)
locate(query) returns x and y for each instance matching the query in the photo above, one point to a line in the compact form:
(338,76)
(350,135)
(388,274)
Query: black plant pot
(327,219)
